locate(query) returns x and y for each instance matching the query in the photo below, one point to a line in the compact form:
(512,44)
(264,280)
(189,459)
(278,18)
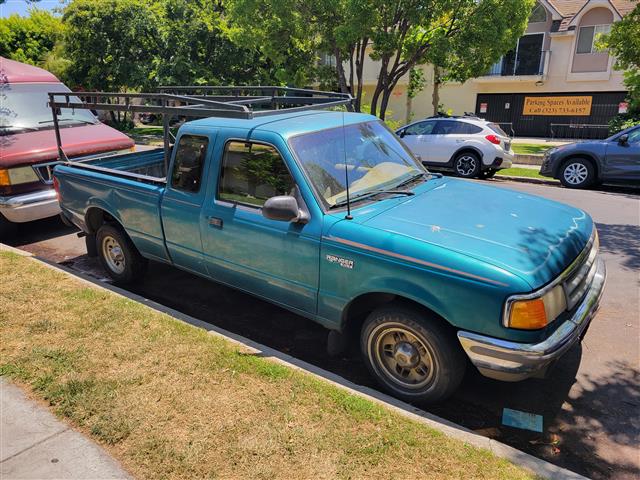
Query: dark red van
(28,143)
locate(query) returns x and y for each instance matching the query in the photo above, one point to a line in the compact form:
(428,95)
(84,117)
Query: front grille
(579,278)
(45,172)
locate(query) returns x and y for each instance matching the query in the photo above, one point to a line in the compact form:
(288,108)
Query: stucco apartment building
(555,82)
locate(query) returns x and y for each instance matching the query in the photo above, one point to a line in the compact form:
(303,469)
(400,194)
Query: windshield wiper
(68,120)
(15,128)
(369,194)
(412,179)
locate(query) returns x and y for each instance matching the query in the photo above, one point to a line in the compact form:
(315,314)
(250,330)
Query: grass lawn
(170,401)
(530,148)
(523,172)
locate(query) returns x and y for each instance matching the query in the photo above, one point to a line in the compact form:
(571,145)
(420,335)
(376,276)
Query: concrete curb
(536,465)
(528,158)
(538,181)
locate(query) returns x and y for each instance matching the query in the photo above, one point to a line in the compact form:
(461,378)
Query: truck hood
(29,148)
(526,235)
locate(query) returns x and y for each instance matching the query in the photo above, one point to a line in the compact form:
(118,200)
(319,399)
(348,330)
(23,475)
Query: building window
(589,36)
(538,14)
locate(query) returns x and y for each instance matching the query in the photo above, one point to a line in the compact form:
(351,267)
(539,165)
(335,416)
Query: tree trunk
(435,98)
(361,48)
(409,106)
(342,80)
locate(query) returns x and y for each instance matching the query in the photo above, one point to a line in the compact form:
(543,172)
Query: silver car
(470,146)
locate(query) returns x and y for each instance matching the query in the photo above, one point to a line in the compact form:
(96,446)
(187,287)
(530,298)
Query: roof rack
(241,102)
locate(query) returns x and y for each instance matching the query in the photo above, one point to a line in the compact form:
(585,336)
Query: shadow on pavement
(622,240)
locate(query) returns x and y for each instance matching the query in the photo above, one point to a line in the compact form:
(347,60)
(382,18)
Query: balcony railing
(520,65)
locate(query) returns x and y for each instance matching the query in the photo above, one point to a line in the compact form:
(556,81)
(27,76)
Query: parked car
(425,272)
(579,165)
(28,144)
(470,146)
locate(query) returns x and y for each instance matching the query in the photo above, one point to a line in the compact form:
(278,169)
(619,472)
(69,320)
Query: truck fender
(400,289)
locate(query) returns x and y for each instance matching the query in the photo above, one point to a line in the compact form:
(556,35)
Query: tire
(413,356)
(488,174)
(467,165)
(7,229)
(577,173)
(118,256)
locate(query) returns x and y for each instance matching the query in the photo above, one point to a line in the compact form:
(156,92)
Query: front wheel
(467,165)
(577,173)
(118,256)
(413,356)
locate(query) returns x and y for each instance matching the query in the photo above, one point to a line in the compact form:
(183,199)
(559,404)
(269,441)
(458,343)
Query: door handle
(215,222)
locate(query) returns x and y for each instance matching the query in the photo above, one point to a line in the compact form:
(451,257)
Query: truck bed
(128,187)
(148,163)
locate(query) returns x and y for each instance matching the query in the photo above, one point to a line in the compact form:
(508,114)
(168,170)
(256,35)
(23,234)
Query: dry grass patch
(171,401)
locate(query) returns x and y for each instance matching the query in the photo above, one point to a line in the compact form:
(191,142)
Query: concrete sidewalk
(36,445)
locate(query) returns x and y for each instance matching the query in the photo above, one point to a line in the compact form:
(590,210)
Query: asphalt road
(590,403)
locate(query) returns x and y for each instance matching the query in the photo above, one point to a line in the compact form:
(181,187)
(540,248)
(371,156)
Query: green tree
(195,49)
(112,44)
(624,44)
(30,38)
(464,36)
(282,31)
(488,33)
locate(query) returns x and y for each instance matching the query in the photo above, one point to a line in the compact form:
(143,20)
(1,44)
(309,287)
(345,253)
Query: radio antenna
(346,170)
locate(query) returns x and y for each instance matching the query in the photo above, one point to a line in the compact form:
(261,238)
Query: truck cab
(329,215)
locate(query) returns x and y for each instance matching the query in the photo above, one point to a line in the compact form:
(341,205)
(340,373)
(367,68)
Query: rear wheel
(577,173)
(467,165)
(118,256)
(412,356)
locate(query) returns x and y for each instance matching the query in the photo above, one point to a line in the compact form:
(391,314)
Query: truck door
(183,200)
(623,159)
(273,259)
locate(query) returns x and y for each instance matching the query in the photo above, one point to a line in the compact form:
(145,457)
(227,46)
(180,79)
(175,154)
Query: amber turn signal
(5,181)
(528,314)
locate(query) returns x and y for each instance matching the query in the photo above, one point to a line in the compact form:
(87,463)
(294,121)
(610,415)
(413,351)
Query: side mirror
(402,133)
(623,139)
(283,208)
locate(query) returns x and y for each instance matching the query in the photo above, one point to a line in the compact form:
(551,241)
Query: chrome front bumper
(512,361)
(30,206)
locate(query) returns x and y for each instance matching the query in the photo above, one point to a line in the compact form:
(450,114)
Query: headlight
(17,176)
(536,313)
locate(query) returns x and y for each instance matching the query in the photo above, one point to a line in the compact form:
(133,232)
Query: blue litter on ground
(524,420)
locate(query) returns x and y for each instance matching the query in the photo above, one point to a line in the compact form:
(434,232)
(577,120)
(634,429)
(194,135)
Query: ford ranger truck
(428,274)
(28,144)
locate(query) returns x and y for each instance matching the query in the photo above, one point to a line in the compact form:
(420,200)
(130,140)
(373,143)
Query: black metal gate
(506,109)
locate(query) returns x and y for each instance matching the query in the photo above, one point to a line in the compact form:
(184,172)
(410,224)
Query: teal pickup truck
(327,214)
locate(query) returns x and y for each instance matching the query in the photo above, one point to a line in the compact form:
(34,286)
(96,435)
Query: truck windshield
(369,152)
(23,107)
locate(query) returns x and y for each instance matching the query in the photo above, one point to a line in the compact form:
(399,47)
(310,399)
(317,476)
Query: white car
(470,146)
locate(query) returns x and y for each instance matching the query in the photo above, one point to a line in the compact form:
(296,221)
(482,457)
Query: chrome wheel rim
(401,357)
(113,254)
(575,173)
(466,165)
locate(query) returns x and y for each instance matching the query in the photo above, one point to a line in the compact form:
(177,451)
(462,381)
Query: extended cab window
(251,173)
(187,167)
